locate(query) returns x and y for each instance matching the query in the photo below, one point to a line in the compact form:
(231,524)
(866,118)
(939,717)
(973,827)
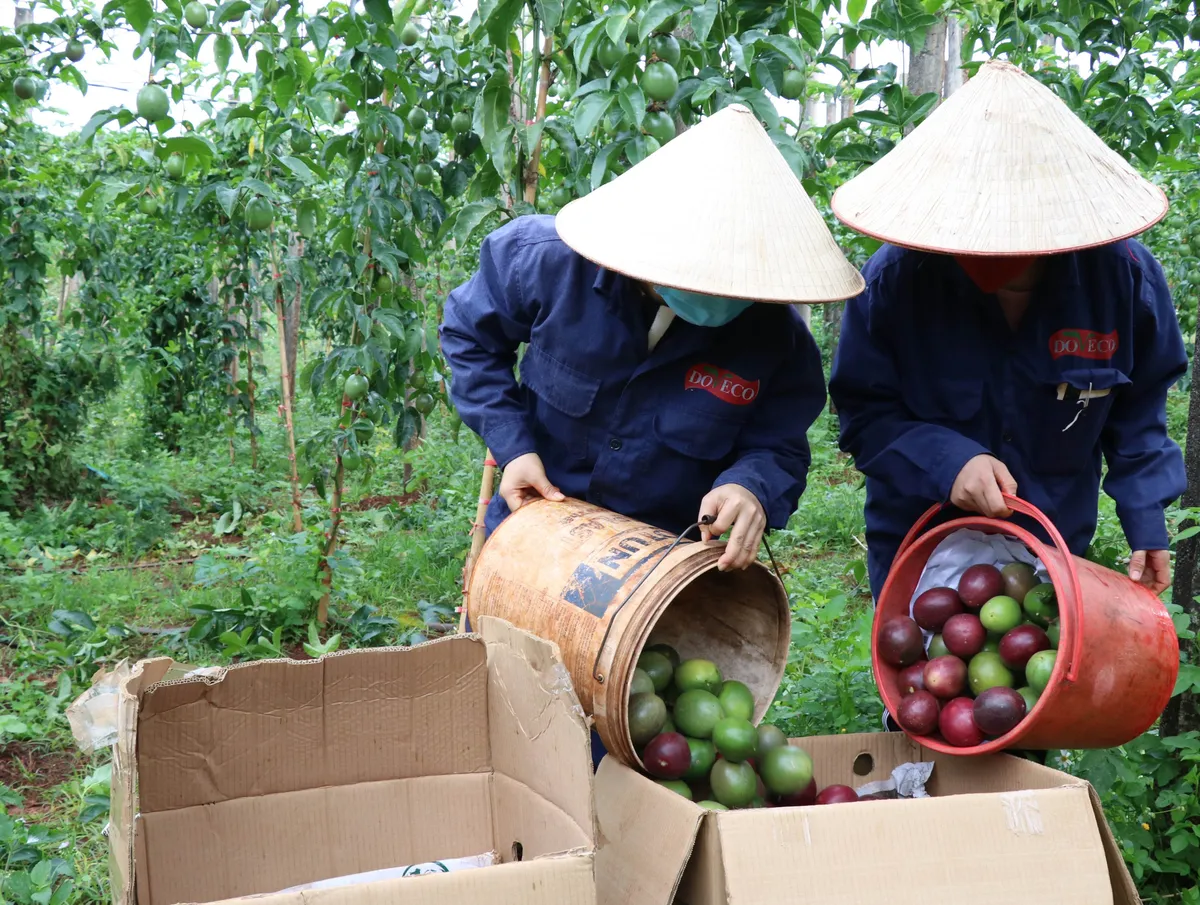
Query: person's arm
(887,440)
(763,485)
(1145,467)
(485,321)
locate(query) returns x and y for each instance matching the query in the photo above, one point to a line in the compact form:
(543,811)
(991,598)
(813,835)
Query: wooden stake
(486,488)
(546,77)
(286,385)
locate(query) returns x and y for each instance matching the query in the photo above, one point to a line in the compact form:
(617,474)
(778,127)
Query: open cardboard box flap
(996,830)
(248,780)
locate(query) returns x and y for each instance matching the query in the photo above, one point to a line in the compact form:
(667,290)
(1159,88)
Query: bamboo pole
(486,488)
(286,386)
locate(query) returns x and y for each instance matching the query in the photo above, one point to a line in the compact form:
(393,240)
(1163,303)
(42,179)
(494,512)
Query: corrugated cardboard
(246,781)
(995,831)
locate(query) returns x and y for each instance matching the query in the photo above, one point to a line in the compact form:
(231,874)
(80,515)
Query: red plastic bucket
(1118,654)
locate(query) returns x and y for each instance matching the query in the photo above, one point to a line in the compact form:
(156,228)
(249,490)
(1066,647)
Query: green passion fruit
(698,674)
(703,756)
(697,712)
(736,700)
(641,683)
(657,667)
(152,103)
(647,714)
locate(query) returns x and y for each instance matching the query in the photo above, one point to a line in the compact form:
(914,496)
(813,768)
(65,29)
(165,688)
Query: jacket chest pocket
(1066,413)
(696,434)
(562,400)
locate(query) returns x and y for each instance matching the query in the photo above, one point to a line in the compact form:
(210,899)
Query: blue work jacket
(646,434)
(928,374)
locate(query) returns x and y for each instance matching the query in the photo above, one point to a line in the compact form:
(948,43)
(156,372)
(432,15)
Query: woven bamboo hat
(716,211)
(1002,167)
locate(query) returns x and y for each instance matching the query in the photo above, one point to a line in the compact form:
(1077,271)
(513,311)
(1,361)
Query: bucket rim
(924,544)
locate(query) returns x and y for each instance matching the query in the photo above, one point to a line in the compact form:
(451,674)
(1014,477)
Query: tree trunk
(62,300)
(954,70)
(810,111)
(927,68)
(805,314)
(1183,712)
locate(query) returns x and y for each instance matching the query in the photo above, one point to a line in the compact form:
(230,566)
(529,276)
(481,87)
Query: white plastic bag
(448,866)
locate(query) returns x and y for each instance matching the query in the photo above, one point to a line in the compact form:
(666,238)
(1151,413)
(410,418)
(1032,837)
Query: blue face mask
(702,310)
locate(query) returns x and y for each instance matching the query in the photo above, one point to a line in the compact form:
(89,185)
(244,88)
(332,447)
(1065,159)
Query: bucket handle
(705,521)
(1018,505)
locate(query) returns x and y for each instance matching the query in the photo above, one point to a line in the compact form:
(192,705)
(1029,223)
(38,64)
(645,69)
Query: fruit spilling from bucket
(992,652)
(692,729)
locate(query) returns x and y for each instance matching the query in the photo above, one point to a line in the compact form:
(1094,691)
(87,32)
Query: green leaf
(380,11)
(93,125)
(583,40)
(658,13)
(855,10)
(809,27)
(550,12)
(875,117)
(1179,842)
(1189,679)
(790,48)
(633,103)
(492,120)
(319,31)
(1186,533)
(589,112)
(921,107)
(300,168)
(227,197)
(229,12)
(616,26)
(737,53)
(704,17)
(138,14)
(189,146)
(222,52)
(257,185)
(497,18)
(470,217)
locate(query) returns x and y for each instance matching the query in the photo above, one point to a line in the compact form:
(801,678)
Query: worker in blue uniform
(658,379)
(1012,334)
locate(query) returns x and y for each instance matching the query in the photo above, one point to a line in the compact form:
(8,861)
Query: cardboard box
(996,831)
(243,782)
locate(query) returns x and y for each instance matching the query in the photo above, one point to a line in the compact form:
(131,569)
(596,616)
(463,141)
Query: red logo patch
(1084,344)
(725,385)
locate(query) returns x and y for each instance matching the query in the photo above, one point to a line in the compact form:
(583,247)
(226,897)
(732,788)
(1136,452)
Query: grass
(147,567)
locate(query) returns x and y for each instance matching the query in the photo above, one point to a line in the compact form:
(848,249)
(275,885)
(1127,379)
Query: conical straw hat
(716,211)
(1002,167)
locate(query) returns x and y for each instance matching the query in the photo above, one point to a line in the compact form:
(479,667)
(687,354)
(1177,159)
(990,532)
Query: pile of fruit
(995,640)
(693,731)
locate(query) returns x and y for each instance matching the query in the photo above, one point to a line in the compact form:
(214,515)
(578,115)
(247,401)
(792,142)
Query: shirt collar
(1062,272)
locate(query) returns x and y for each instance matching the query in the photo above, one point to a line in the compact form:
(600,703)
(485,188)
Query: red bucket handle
(1018,505)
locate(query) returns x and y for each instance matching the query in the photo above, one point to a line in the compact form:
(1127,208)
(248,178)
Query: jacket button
(614,444)
(1007,437)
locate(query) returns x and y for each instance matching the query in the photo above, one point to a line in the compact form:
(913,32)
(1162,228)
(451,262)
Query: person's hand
(979,486)
(525,480)
(1151,568)
(734,507)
